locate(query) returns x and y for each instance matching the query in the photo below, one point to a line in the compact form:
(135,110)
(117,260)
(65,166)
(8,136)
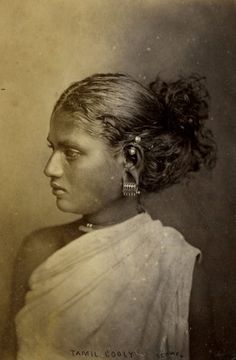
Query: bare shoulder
(39,245)
(34,250)
(202,344)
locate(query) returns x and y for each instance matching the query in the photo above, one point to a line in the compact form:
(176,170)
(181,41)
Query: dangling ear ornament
(130,188)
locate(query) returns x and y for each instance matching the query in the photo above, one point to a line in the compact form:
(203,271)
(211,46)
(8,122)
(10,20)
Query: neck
(115,212)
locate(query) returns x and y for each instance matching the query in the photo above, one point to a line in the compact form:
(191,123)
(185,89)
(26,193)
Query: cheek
(98,182)
(109,184)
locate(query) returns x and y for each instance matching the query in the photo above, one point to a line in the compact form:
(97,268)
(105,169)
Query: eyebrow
(65,143)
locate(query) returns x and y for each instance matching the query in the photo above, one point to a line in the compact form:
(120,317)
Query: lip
(57,190)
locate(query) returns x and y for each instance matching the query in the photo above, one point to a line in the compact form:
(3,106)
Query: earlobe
(133,157)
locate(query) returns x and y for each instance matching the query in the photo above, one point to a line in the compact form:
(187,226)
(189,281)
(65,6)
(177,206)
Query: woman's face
(85,175)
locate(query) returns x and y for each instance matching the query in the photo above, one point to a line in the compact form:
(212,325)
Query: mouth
(57,190)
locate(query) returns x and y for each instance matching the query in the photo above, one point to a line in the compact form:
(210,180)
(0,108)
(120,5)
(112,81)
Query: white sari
(120,292)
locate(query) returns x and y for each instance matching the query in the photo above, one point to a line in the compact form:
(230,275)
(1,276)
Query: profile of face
(85,174)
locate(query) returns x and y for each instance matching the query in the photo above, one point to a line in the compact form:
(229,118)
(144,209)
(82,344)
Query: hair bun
(185,103)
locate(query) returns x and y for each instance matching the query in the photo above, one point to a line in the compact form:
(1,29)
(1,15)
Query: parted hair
(170,117)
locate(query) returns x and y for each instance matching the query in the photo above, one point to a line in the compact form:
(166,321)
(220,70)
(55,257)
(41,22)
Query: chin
(66,206)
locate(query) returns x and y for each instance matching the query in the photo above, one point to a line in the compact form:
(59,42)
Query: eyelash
(71,154)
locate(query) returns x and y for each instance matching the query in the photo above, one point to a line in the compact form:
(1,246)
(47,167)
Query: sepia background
(46,45)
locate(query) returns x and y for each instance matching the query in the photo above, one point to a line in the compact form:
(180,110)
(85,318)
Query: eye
(71,154)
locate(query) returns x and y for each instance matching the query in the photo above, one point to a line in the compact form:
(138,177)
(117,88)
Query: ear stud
(137,139)
(132,151)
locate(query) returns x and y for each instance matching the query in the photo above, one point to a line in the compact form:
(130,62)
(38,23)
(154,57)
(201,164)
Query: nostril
(46,169)
(53,167)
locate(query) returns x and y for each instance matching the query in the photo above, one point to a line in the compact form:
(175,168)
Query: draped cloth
(118,292)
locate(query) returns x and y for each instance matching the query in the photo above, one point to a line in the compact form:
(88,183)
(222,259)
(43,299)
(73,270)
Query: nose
(54,167)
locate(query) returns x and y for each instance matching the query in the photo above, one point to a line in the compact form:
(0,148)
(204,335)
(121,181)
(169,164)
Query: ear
(133,156)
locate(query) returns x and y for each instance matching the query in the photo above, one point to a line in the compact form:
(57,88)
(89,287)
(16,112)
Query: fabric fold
(124,288)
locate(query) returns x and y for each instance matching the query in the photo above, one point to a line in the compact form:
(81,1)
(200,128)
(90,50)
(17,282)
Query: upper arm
(200,317)
(32,252)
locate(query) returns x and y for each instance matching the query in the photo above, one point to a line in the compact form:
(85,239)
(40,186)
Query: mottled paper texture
(46,45)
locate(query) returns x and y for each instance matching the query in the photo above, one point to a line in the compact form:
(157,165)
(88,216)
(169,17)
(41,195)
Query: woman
(116,283)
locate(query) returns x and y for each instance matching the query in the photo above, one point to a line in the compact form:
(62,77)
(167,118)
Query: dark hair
(168,116)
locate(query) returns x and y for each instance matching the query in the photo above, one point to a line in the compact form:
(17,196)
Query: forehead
(65,127)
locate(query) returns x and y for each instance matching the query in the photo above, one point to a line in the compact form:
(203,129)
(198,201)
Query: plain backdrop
(46,45)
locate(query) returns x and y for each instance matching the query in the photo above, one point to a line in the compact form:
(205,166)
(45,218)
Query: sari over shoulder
(118,292)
